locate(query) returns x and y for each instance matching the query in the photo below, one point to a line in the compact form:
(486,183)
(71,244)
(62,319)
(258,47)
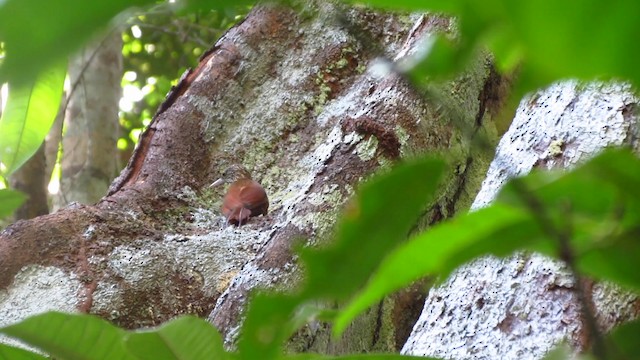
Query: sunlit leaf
(184,338)
(29,113)
(71,336)
(10,200)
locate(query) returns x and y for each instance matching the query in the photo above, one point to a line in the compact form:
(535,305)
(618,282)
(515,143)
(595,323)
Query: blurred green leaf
(622,342)
(597,207)
(564,352)
(547,40)
(38,34)
(186,337)
(592,202)
(71,336)
(267,326)
(10,200)
(14,353)
(28,115)
(379,219)
(376,222)
(497,229)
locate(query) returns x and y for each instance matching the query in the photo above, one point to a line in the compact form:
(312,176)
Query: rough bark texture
(297,96)
(89,160)
(521,307)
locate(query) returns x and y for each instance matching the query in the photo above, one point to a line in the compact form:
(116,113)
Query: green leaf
(38,34)
(597,207)
(592,204)
(561,352)
(622,342)
(28,115)
(10,200)
(497,230)
(14,353)
(267,326)
(184,338)
(379,220)
(525,35)
(71,336)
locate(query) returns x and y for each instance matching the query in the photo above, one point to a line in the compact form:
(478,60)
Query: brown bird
(245,197)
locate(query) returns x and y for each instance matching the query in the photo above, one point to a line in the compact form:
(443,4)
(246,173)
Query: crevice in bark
(375,337)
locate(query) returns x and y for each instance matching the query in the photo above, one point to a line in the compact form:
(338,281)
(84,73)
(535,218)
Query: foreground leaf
(30,111)
(623,343)
(591,208)
(596,208)
(10,200)
(540,38)
(498,230)
(14,353)
(267,326)
(379,219)
(184,338)
(71,336)
(38,34)
(383,214)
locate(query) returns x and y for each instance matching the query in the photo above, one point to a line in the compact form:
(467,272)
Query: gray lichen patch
(186,272)
(36,289)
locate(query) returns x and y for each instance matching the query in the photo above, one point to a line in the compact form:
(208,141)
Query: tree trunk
(31,179)
(523,306)
(90,156)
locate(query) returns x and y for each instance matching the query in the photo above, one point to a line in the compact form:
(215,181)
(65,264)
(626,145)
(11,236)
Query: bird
(245,197)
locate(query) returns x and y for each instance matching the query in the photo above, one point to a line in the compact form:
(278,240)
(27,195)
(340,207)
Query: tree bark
(297,96)
(31,180)
(523,306)
(89,153)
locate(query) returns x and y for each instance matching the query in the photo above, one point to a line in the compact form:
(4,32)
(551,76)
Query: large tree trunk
(521,307)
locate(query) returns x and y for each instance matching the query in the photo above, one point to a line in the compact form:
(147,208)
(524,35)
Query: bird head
(233,173)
